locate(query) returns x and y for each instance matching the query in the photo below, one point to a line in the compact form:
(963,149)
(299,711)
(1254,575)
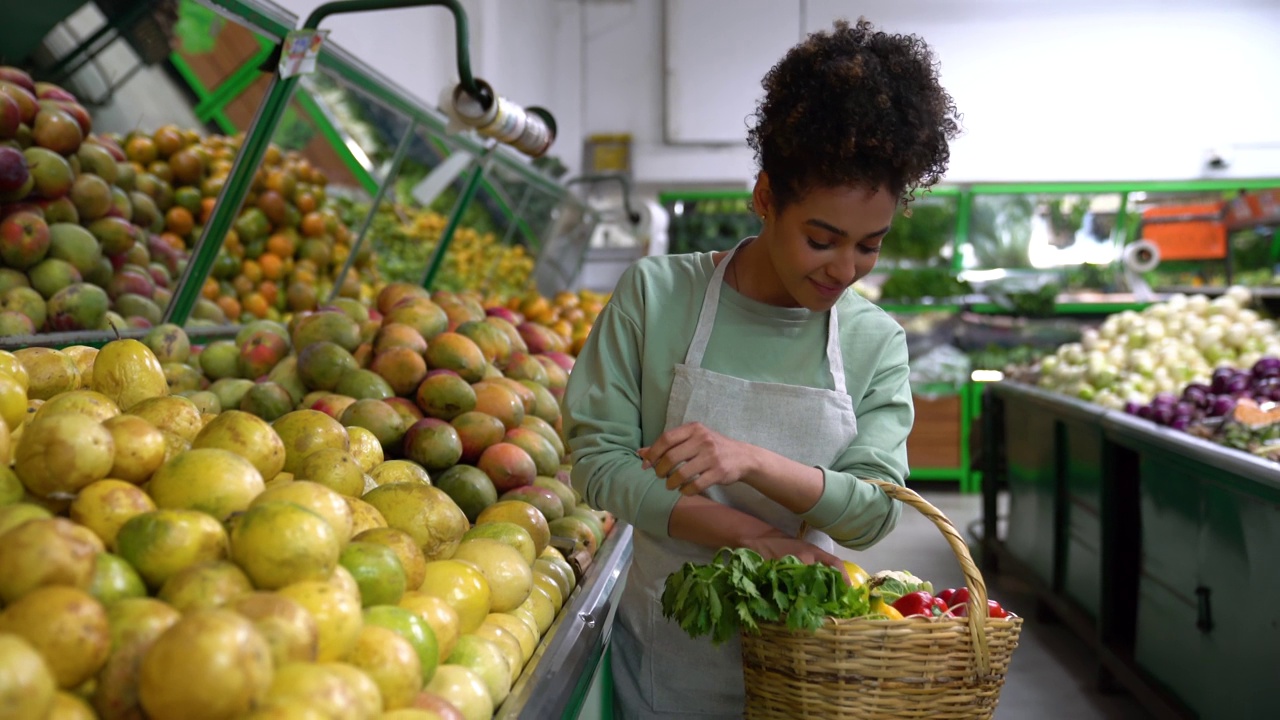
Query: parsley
(739,589)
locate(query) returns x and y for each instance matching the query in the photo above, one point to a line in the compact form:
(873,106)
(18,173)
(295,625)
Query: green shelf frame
(965,193)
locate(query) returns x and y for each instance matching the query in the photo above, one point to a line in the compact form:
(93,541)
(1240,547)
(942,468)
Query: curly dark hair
(854,106)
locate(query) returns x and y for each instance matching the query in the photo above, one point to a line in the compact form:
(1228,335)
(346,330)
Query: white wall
(1050,90)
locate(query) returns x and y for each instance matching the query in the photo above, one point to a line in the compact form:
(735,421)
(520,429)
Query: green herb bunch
(739,589)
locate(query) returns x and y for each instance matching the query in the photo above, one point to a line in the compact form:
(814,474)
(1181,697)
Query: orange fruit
(206,209)
(252,271)
(210,291)
(179,221)
(312,224)
(255,304)
(280,244)
(272,266)
(230,306)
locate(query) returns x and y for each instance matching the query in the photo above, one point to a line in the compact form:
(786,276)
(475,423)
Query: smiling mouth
(827,290)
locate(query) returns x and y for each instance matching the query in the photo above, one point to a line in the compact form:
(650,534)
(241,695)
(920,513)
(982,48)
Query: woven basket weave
(941,668)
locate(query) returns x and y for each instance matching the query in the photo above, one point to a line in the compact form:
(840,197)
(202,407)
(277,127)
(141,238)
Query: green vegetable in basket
(890,585)
(739,589)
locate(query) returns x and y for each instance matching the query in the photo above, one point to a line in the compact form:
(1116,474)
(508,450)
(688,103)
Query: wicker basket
(948,668)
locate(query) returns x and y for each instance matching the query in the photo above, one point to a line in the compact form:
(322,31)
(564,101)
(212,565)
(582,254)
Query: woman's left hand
(692,458)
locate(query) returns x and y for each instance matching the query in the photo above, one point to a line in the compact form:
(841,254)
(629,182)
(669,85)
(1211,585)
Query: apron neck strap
(707,320)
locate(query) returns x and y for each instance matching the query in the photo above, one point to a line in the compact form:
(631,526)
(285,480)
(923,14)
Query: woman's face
(823,242)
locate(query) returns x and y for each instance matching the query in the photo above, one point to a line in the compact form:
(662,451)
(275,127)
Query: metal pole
(455,218)
(230,199)
(387,181)
(964,215)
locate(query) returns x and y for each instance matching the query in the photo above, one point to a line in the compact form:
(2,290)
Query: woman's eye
(869,250)
(817,245)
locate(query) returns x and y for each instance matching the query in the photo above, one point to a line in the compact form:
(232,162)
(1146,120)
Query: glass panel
(926,238)
(709,224)
(1207,239)
(1040,231)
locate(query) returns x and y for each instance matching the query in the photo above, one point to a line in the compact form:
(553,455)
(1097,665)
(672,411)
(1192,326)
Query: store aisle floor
(1052,673)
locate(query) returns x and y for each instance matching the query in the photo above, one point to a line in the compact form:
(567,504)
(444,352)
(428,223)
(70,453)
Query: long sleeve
(603,418)
(854,513)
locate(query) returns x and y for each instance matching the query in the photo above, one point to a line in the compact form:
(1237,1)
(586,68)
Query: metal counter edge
(578,637)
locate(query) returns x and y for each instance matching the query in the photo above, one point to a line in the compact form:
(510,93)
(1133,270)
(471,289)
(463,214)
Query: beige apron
(659,671)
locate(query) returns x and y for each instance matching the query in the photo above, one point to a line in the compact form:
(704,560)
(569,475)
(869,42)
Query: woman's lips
(827,291)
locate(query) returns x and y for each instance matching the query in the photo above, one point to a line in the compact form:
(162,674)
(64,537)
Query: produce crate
(935,439)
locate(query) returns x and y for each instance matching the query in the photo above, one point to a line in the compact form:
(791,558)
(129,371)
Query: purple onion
(1220,378)
(1196,394)
(1132,408)
(1267,367)
(1180,423)
(1273,393)
(1145,412)
(1184,409)
(1162,414)
(1221,405)
(1237,384)
(1164,398)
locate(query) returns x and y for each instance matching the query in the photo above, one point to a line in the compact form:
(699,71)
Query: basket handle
(977,604)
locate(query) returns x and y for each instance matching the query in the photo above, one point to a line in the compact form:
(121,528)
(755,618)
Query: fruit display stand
(351,150)
(1145,541)
(560,677)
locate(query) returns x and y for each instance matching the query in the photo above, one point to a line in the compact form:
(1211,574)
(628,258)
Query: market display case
(1141,539)
(260,222)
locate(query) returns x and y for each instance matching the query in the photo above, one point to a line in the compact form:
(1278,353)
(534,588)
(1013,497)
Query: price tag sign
(301,48)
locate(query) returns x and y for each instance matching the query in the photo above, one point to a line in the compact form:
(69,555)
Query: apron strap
(707,320)
(707,317)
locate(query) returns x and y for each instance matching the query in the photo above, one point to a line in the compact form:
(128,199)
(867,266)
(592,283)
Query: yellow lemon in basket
(857,576)
(880,607)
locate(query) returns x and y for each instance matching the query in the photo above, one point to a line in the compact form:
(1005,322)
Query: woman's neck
(752,274)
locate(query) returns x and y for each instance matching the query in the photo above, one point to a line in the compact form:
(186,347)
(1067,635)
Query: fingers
(675,460)
(688,473)
(665,442)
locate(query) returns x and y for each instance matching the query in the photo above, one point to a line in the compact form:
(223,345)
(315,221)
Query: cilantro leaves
(739,589)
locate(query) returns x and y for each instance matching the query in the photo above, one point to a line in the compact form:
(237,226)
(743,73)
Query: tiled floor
(1052,673)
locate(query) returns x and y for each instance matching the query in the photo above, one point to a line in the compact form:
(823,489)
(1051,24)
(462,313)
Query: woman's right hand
(775,545)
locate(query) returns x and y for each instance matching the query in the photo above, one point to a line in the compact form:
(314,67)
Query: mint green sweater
(616,401)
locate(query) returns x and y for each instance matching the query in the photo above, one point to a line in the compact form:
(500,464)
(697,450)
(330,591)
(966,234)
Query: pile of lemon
(158,559)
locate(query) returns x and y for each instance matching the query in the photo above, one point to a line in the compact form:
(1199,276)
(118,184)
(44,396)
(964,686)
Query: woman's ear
(762,196)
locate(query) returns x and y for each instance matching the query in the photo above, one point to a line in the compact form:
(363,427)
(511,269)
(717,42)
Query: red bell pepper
(993,610)
(920,602)
(958,598)
(946,595)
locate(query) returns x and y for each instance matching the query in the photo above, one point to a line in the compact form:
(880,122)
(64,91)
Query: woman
(725,398)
